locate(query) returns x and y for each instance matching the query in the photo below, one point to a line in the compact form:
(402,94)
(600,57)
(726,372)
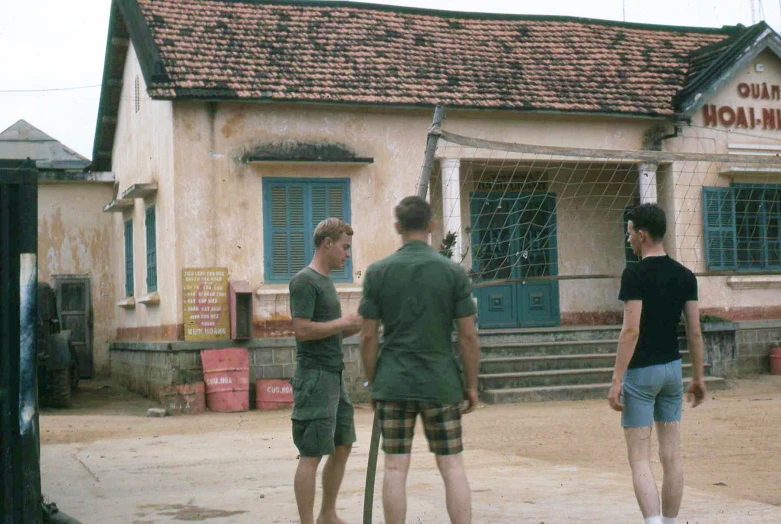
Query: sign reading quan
(747,117)
(206,309)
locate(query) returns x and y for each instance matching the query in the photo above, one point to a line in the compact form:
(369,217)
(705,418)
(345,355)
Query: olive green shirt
(417,294)
(313,296)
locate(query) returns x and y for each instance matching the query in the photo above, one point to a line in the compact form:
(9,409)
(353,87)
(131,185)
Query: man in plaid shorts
(417,294)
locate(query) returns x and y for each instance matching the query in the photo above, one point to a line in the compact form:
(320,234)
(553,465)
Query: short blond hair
(332,228)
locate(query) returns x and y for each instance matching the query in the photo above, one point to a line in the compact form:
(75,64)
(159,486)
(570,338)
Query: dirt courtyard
(104,462)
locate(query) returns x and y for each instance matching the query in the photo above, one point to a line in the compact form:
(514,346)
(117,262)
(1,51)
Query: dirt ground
(731,448)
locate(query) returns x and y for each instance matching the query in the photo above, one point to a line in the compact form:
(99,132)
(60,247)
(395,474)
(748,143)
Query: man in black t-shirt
(647,381)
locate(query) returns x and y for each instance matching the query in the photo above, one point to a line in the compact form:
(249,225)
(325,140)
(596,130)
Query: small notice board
(206,309)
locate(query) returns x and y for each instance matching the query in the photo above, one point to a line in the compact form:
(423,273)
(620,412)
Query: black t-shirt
(664,286)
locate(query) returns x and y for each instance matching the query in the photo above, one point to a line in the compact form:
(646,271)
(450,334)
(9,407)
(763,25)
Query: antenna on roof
(757,11)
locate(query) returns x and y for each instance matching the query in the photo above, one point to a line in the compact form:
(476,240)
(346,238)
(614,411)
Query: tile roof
(380,55)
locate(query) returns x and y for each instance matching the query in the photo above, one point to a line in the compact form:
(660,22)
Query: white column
(451,202)
(647,175)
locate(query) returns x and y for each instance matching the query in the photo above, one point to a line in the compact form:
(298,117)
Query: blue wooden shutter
(330,200)
(151,250)
(285,243)
(129,258)
(718,204)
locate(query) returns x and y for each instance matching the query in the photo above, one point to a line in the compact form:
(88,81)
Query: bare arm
(691,313)
(469,347)
(351,331)
(370,345)
(627,342)
(306,329)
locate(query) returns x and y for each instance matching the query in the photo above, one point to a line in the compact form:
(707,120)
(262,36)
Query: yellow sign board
(205,303)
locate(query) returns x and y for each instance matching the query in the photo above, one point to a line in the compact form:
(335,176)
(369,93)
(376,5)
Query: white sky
(61,44)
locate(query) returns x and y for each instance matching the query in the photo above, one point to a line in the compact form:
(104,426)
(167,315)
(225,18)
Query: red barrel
(226,374)
(273,393)
(775,360)
(184,399)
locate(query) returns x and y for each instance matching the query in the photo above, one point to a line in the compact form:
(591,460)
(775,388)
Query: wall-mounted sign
(747,117)
(205,303)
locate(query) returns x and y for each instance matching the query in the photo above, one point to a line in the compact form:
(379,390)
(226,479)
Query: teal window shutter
(329,200)
(129,258)
(292,208)
(720,232)
(151,250)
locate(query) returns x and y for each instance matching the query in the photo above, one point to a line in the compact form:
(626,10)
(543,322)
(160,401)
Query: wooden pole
(431,149)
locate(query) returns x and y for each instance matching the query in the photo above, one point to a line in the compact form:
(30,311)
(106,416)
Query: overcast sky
(56,44)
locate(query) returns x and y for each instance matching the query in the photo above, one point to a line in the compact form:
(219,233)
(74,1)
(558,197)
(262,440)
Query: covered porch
(543,240)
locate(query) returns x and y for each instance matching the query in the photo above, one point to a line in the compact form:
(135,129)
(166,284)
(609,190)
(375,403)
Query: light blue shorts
(653,393)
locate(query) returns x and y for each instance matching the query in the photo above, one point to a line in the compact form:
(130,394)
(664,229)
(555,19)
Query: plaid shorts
(441,422)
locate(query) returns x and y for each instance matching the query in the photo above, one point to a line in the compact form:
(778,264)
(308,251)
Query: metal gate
(20,491)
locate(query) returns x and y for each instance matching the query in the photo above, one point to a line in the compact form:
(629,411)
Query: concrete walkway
(237,476)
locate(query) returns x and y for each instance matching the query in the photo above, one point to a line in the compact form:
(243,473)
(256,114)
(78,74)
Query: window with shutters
(292,208)
(151,250)
(129,258)
(743,227)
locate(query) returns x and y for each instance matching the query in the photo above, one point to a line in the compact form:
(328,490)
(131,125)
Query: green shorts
(322,412)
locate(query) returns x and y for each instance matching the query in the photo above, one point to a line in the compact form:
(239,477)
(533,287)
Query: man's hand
(614,396)
(695,393)
(470,396)
(352,322)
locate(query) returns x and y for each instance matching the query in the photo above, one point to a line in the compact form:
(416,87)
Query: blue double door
(514,249)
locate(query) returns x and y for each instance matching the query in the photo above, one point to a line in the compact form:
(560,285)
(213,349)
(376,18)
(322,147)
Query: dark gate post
(20,491)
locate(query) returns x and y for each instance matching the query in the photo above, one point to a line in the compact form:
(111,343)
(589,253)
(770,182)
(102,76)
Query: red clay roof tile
(330,52)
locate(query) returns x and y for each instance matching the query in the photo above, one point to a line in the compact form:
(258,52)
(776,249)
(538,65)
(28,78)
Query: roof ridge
(480,15)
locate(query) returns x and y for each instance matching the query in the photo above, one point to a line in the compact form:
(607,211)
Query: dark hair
(649,218)
(413,214)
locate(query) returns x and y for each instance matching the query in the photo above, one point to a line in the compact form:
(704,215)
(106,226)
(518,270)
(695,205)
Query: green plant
(447,245)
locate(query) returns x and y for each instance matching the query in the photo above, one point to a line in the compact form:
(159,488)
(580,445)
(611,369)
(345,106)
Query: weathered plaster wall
(143,153)
(219,198)
(75,238)
(683,186)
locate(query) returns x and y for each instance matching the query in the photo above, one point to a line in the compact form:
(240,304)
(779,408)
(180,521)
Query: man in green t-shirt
(417,294)
(322,409)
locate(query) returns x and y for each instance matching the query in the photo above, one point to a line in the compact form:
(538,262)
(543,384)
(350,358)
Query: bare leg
(638,443)
(333,473)
(459,502)
(670,455)
(394,488)
(304,487)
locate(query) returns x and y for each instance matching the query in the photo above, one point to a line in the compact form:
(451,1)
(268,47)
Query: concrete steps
(570,363)
(491,366)
(556,377)
(568,392)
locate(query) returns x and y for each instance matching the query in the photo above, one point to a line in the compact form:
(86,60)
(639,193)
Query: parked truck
(58,366)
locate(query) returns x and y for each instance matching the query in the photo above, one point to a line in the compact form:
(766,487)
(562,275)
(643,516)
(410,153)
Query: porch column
(451,202)
(647,175)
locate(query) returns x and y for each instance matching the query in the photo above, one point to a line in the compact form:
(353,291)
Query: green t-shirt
(417,293)
(313,296)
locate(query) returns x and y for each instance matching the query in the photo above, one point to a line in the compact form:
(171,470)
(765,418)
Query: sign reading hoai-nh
(205,297)
(747,117)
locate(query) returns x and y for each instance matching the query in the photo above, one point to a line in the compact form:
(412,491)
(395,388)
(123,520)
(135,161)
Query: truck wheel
(60,388)
(74,376)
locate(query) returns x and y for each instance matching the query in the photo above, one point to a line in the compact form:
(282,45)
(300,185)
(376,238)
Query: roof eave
(126,24)
(720,74)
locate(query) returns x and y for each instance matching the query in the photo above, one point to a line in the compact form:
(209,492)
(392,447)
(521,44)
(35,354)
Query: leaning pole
(374,445)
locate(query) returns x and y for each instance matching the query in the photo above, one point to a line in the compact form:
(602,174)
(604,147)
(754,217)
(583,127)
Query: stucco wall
(211,214)
(220,198)
(683,194)
(142,154)
(75,238)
